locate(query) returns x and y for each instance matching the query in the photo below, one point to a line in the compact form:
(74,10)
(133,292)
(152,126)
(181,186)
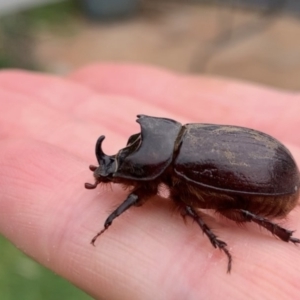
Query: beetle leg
(241,215)
(131,200)
(282,233)
(212,237)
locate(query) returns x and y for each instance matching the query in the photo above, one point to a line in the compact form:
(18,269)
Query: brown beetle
(243,174)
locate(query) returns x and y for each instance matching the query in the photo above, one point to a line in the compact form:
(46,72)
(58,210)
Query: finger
(41,108)
(26,118)
(200,98)
(72,98)
(52,218)
(223,101)
(48,215)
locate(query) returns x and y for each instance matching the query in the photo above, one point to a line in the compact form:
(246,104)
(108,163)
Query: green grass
(18,31)
(50,13)
(23,278)
(53,16)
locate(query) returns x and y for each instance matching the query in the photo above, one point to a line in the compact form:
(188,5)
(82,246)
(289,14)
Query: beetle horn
(107,163)
(101,156)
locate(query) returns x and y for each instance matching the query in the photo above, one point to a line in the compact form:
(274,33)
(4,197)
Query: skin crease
(49,126)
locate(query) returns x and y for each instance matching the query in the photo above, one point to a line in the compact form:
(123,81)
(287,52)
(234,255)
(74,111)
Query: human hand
(49,126)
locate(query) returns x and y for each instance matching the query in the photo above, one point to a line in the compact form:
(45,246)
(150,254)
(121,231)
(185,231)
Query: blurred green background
(252,40)
(18,32)
(21,278)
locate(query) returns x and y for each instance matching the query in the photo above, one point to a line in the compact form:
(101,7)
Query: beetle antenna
(92,168)
(91,186)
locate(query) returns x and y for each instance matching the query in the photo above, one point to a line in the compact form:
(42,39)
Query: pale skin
(48,128)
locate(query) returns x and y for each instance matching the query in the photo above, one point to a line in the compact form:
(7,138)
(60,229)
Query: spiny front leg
(212,237)
(131,200)
(137,198)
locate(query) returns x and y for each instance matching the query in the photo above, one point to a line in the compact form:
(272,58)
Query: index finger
(199,99)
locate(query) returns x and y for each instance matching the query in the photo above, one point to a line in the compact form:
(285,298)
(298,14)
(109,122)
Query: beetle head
(146,156)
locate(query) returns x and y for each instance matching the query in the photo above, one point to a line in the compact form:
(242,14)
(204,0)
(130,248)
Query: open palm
(49,126)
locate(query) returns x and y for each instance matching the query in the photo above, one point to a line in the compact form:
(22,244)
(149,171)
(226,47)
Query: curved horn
(101,156)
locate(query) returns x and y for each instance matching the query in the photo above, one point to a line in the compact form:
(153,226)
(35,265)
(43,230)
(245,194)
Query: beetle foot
(281,232)
(290,238)
(294,240)
(212,237)
(96,236)
(226,251)
(222,246)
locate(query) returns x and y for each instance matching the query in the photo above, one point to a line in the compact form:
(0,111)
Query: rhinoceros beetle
(240,173)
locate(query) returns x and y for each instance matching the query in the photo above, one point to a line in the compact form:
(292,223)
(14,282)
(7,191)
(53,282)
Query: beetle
(240,173)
